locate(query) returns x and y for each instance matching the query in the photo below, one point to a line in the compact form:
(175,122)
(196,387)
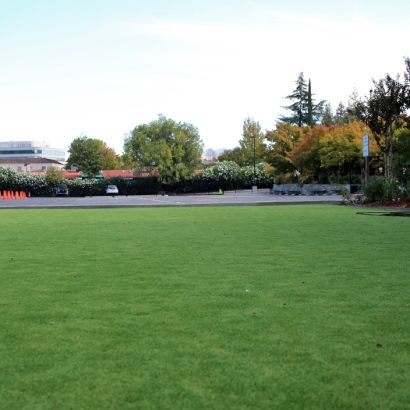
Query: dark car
(62,189)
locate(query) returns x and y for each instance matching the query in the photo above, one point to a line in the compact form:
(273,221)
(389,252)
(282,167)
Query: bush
(377,189)
(287,178)
(346,195)
(263,178)
(226,171)
(35,184)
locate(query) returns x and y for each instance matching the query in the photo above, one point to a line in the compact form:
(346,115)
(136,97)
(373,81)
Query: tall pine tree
(298,108)
(304,110)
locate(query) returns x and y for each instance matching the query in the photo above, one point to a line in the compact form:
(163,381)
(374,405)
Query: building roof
(72,174)
(23,160)
(112,173)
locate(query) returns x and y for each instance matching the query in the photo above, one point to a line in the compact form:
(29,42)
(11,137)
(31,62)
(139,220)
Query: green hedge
(37,185)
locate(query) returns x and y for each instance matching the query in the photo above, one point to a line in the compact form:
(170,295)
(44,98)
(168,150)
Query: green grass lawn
(149,308)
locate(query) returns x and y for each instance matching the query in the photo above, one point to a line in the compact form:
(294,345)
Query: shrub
(377,189)
(248,174)
(227,171)
(54,176)
(346,195)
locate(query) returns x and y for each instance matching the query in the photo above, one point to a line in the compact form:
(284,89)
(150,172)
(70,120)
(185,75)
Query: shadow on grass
(403,213)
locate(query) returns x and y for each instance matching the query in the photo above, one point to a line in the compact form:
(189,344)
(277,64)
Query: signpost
(366,156)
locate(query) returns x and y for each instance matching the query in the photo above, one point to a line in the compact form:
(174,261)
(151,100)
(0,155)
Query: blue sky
(102,67)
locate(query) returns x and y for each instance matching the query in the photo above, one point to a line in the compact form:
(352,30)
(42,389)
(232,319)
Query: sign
(365,145)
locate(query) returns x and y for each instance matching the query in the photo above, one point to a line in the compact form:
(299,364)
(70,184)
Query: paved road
(229,198)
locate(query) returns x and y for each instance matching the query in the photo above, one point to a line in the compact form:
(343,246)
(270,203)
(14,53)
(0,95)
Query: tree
(236,155)
(407,90)
(343,145)
(305,111)
(252,140)
(328,118)
(352,102)
(298,107)
(170,149)
(341,116)
(305,155)
(401,139)
(309,106)
(226,171)
(54,175)
(87,153)
(110,158)
(281,142)
(383,111)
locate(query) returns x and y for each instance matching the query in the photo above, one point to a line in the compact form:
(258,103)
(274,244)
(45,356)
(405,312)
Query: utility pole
(254,187)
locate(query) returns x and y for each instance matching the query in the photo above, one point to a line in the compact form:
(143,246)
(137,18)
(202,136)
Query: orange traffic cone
(17,195)
(7,195)
(23,195)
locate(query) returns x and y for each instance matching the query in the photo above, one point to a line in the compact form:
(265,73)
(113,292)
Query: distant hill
(214,152)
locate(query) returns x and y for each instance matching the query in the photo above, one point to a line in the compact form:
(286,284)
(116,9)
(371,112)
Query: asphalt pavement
(239,198)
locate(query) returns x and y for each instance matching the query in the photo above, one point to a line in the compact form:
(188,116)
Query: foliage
(288,178)
(229,171)
(236,155)
(221,171)
(306,151)
(341,117)
(110,159)
(345,179)
(170,149)
(303,110)
(35,184)
(252,142)
(346,195)
(281,142)
(376,189)
(407,91)
(343,144)
(383,111)
(401,144)
(261,177)
(327,118)
(88,154)
(251,145)
(54,175)
(7,175)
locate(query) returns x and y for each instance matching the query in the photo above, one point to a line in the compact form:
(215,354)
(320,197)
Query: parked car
(62,189)
(112,190)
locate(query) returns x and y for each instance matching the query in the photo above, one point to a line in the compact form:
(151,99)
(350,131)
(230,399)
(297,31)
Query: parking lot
(263,197)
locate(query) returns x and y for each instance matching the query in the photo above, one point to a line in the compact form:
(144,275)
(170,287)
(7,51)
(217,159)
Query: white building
(30,164)
(31,149)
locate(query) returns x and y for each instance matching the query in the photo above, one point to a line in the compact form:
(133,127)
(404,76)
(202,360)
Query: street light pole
(254,164)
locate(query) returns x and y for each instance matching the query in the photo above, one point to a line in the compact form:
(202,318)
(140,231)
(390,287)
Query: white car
(112,190)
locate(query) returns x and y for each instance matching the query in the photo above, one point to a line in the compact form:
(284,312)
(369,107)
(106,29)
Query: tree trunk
(389,162)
